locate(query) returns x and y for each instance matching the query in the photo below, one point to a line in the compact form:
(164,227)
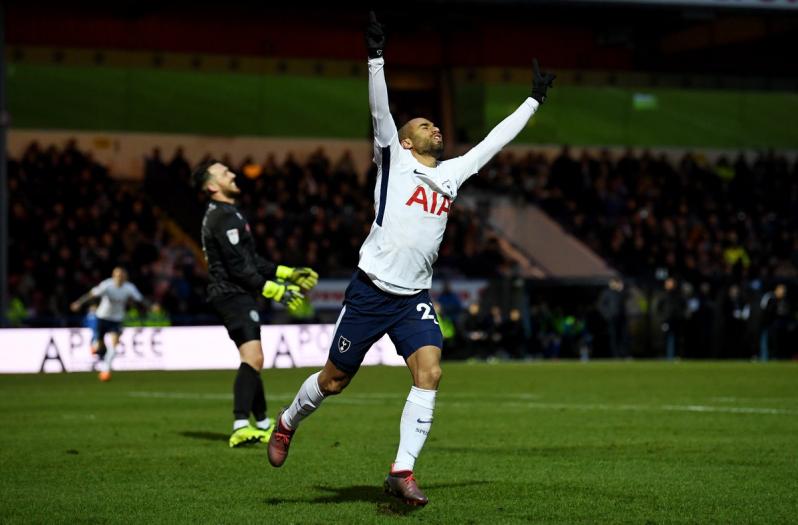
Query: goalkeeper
(236,276)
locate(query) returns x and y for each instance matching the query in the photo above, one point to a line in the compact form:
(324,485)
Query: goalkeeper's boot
(265,433)
(279,442)
(247,435)
(402,484)
(104,376)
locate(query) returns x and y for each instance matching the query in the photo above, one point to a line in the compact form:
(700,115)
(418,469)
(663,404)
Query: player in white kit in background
(114,294)
(390,292)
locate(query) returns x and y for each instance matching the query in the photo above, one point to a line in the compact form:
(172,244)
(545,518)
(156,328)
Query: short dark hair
(200,175)
(404,131)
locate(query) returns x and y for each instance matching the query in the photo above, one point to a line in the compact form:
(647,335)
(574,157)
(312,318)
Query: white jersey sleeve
(469,164)
(101,288)
(134,292)
(385,132)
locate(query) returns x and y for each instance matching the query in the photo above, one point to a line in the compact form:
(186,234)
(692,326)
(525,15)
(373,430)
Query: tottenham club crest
(343,344)
(232,235)
(254,316)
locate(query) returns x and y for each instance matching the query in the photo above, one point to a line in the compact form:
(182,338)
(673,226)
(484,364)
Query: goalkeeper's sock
(414,427)
(259,400)
(259,407)
(307,400)
(244,388)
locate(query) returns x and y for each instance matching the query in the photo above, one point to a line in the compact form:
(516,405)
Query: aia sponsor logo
(433,203)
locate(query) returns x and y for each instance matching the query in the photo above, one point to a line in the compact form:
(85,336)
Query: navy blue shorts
(105,326)
(369,313)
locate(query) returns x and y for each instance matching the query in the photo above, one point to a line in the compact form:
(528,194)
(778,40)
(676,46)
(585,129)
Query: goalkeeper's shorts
(240,316)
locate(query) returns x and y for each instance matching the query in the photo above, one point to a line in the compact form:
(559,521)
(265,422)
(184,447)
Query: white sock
(307,400)
(240,423)
(110,353)
(266,424)
(414,427)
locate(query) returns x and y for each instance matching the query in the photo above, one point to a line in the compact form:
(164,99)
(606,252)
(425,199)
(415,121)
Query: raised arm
(500,136)
(384,126)
(83,299)
(138,297)
(510,127)
(88,296)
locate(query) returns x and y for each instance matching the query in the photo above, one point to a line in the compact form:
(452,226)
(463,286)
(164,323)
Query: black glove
(540,82)
(375,37)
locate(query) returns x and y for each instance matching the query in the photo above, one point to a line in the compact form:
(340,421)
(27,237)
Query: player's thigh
(417,328)
(367,315)
(356,331)
(240,317)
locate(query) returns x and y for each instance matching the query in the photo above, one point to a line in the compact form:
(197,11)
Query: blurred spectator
(612,306)
(450,303)
(448,326)
(736,313)
(512,335)
(671,310)
(778,322)
(476,330)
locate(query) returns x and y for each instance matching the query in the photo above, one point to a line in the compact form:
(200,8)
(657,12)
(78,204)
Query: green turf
(681,118)
(171,101)
(539,442)
(230,104)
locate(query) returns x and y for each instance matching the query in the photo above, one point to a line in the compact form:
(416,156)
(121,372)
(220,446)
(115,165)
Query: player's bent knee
(429,378)
(333,380)
(252,354)
(255,363)
(333,387)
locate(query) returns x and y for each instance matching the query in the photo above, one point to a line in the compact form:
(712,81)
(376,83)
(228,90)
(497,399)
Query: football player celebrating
(389,293)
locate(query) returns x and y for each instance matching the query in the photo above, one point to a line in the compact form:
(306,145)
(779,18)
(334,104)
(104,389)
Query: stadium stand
(649,217)
(728,220)
(72,219)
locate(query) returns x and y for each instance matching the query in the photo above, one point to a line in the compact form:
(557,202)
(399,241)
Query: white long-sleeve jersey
(411,200)
(114,298)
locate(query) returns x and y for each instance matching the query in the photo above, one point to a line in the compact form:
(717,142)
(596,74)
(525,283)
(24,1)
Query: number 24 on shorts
(427,308)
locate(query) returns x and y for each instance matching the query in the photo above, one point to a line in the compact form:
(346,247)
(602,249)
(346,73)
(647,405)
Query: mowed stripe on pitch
(522,401)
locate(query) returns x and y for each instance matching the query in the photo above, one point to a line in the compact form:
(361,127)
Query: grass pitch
(601,442)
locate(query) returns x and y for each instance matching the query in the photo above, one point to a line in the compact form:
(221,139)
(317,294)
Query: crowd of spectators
(707,247)
(703,245)
(315,213)
(70,224)
(648,216)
